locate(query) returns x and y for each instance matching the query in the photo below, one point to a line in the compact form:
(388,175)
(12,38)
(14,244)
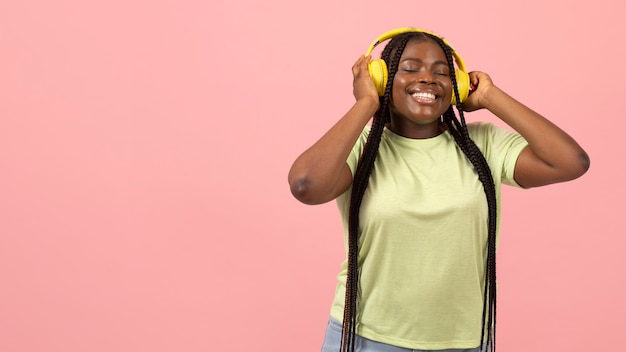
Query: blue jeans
(332,342)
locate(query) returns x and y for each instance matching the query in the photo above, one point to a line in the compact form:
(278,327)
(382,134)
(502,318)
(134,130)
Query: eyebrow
(438,62)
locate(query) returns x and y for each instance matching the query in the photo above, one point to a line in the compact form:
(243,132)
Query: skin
(423,68)
(320,174)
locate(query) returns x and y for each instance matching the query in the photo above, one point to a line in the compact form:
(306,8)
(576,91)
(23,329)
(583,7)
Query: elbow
(301,190)
(309,192)
(580,166)
(583,164)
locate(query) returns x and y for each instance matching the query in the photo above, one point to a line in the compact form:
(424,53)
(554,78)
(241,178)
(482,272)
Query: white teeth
(424,96)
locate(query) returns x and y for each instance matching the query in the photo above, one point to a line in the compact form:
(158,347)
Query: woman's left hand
(480,83)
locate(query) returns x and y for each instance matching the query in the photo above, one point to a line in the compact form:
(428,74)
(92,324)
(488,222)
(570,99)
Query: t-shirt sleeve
(501,148)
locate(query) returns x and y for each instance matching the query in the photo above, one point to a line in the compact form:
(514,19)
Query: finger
(360,65)
(366,62)
(474,79)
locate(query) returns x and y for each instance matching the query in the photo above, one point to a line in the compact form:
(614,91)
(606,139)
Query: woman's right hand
(363,86)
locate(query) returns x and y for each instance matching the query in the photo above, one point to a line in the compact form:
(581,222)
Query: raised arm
(551,156)
(321,174)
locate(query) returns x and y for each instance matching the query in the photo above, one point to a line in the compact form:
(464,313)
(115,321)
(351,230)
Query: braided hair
(458,129)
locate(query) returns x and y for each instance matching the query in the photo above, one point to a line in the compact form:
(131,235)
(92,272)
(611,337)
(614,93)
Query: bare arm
(551,156)
(320,174)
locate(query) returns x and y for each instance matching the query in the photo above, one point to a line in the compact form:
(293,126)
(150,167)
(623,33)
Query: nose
(426,77)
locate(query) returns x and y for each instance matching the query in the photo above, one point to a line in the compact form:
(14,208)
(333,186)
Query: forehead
(423,49)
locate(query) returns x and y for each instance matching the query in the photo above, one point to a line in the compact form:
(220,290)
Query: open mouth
(424,97)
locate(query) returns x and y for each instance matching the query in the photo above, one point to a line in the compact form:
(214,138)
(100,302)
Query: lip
(421,100)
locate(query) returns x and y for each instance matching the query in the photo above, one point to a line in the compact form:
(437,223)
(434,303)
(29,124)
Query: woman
(419,193)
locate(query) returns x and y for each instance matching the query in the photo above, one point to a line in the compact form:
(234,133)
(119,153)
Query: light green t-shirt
(423,238)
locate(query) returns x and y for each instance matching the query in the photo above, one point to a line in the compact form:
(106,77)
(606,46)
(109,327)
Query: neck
(417,131)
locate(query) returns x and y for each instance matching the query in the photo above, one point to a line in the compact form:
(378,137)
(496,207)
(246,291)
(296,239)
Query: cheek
(397,89)
(449,88)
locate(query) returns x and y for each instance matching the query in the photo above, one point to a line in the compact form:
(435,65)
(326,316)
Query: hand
(480,84)
(363,86)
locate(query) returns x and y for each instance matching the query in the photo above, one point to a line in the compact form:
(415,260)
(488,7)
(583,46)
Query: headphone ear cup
(378,72)
(463,84)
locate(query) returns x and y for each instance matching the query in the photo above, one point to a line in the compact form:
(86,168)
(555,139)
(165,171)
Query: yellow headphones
(378,68)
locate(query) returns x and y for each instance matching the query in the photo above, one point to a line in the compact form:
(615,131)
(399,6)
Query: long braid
(359,185)
(476,157)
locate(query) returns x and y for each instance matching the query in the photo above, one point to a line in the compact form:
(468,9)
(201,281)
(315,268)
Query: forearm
(551,145)
(316,173)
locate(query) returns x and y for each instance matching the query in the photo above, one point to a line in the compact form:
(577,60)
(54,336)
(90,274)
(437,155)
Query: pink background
(145,145)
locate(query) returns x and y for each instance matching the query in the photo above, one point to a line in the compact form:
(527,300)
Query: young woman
(418,192)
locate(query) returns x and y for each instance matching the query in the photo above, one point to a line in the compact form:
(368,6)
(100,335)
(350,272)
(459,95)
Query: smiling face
(421,91)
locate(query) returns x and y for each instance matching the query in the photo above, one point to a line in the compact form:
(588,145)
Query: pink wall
(144,150)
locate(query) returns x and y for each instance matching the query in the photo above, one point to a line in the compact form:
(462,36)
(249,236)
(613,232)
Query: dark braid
(359,184)
(476,157)
(458,129)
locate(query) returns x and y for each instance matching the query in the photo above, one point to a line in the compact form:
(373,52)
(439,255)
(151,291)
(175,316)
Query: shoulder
(357,149)
(362,138)
(366,131)
(487,133)
(500,146)
(480,129)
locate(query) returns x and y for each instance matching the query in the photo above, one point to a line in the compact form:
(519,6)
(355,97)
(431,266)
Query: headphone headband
(395,32)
